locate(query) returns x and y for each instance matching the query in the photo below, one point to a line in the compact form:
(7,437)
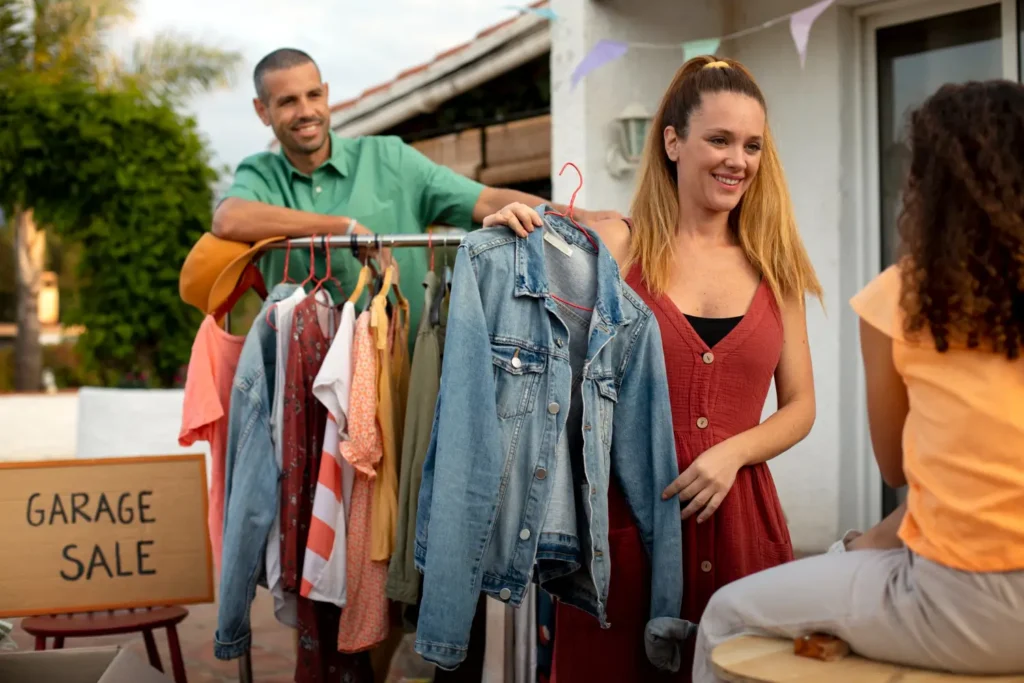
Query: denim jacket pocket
(517,371)
(606,406)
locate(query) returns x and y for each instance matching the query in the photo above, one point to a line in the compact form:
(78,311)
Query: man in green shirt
(323,184)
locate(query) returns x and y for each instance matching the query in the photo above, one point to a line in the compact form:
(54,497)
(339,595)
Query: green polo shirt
(380,181)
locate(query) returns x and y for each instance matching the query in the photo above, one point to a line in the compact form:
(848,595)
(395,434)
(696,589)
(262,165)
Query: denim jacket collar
(532,280)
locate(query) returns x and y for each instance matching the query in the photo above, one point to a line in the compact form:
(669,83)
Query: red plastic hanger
(572,202)
(327,275)
(287,278)
(251,278)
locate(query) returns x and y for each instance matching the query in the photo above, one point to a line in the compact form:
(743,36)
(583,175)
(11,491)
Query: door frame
(868,18)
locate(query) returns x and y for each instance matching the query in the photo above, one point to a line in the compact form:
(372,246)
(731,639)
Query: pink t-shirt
(211,372)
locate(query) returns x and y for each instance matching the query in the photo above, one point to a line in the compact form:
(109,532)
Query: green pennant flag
(696,48)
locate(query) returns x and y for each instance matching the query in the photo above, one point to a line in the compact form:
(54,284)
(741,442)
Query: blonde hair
(764,219)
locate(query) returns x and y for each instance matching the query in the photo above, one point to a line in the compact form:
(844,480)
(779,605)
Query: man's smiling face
(295,106)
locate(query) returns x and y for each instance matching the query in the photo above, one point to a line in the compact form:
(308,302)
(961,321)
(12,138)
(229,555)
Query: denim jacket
(501,414)
(251,477)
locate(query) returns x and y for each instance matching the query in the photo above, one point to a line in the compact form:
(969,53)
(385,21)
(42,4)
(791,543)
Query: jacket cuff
(233,649)
(445,656)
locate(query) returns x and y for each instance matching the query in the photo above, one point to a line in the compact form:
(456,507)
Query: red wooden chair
(90,624)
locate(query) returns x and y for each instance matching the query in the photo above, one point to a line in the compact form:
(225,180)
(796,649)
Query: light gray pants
(889,605)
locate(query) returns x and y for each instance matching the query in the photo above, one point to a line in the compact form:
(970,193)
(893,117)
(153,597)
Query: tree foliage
(129,179)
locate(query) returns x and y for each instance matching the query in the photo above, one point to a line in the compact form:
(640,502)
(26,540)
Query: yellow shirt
(963,443)
(392,383)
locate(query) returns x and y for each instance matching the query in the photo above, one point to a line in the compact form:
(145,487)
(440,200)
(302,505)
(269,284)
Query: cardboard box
(78,665)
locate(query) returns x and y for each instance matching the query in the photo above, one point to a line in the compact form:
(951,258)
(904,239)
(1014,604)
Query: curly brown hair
(962,223)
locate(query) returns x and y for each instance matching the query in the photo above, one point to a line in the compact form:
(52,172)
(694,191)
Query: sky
(357,43)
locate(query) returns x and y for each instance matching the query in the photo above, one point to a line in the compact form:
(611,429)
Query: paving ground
(273,658)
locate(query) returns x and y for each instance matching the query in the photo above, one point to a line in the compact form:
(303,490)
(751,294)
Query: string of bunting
(605,51)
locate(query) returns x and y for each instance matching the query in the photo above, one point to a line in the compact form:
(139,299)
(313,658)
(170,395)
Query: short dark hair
(282,58)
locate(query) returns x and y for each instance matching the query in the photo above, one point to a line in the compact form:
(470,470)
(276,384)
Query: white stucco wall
(92,423)
(821,481)
(38,426)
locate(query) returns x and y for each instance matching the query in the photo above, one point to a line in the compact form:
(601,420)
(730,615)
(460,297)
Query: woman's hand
(707,481)
(521,218)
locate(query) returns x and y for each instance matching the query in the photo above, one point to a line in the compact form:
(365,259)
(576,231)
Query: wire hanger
(572,203)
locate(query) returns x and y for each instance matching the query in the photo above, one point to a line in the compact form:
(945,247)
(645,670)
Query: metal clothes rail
(386,241)
(446,239)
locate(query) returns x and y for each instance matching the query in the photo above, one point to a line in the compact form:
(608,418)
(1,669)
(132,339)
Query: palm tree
(60,39)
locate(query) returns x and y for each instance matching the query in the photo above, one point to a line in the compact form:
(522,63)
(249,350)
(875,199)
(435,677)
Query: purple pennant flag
(605,51)
(800,26)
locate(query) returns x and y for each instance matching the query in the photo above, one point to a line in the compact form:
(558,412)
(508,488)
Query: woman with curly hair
(941,335)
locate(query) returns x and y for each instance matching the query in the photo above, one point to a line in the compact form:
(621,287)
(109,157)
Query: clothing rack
(353,242)
(356,241)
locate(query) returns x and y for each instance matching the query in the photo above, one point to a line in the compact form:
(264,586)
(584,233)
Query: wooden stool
(91,624)
(752,659)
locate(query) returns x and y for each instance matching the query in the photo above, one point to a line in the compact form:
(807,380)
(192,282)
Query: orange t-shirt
(963,443)
(204,417)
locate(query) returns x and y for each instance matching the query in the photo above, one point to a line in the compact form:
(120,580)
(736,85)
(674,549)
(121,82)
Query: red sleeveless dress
(715,393)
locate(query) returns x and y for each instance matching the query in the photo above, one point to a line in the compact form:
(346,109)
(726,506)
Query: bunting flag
(544,12)
(696,48)
(800,26)
(605,51)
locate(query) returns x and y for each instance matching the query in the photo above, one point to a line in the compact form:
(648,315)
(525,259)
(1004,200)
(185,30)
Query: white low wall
(38,426)
(92,423)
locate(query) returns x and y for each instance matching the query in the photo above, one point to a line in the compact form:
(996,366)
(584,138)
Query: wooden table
(752,659)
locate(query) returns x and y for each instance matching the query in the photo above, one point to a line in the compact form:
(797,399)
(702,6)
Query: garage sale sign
(109,533)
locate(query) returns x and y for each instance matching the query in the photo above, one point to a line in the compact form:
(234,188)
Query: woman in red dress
(713,249)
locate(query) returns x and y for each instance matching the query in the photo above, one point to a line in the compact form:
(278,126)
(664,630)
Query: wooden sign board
(109,533)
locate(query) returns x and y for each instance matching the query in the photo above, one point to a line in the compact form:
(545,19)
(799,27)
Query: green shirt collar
(341,150)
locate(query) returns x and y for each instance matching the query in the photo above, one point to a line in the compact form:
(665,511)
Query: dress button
(319,189)
(553,408)
(705,566)
(505,594)
(708,358)
(541,473)
(702,423)
(525,534)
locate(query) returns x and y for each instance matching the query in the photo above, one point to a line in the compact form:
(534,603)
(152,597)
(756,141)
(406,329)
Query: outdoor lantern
(48,303)
(634,121)
(631,128)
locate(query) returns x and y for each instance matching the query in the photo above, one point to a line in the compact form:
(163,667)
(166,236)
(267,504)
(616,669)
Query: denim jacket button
(525,534)
(542,473)
(505,594)
(516,363)
(553,408)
